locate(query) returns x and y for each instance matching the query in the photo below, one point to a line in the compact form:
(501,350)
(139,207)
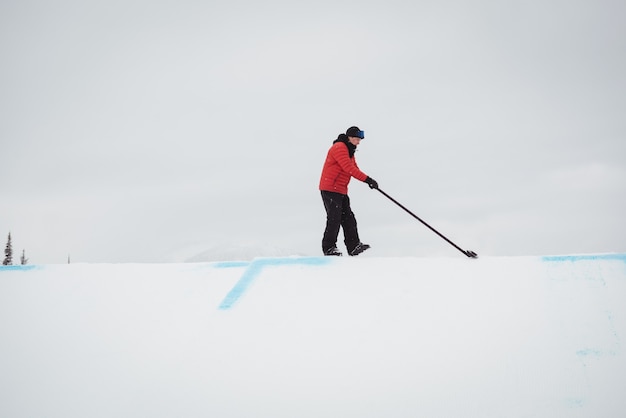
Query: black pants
(339,214)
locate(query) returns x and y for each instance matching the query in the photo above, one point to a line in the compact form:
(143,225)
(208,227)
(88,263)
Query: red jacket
(339,168)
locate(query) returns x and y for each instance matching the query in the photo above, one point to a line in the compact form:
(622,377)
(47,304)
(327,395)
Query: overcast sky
(150,131)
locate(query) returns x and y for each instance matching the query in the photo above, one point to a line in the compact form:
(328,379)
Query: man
(339,168)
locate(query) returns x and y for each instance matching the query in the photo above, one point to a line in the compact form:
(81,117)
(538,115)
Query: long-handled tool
(469,253)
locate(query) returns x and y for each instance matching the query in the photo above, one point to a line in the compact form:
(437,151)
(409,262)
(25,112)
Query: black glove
(372,183)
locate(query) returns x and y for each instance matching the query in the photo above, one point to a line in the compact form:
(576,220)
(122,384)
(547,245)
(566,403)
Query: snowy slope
(316,337)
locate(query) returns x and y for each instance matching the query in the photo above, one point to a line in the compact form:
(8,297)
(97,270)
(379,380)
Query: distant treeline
(8,254)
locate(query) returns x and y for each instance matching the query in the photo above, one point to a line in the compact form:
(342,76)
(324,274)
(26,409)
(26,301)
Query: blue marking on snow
(231,264)
(589,352)
(256,267)
(584,257)
(18,268)
(575,402)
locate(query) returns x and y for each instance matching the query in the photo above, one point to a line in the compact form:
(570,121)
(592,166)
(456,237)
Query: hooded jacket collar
(344,138)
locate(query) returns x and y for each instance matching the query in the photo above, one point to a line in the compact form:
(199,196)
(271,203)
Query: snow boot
(333,251)
(360,247)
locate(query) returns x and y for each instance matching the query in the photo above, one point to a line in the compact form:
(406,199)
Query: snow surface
(316,337)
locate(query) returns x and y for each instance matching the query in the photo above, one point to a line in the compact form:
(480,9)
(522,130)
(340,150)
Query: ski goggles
(360,134)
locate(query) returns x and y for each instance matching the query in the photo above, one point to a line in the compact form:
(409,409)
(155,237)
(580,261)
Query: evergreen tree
(8,253)
(23,259)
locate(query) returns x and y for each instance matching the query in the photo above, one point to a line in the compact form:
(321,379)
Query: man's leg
(333,204)
(348,223)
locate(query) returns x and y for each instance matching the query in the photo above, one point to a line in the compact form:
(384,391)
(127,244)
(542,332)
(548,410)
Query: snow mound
(316,337)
